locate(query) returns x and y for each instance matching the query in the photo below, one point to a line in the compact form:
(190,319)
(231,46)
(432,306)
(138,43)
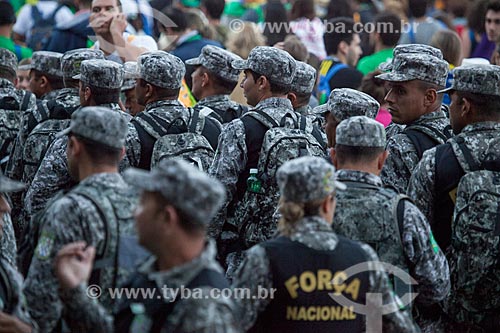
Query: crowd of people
(342,180)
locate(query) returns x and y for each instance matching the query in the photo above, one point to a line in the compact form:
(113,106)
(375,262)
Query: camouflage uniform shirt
(315,233)
(20,308)
(232,154)
(72,218)
(52,175)
(403,156)
(206,314)
(427,263)
(8,245)
(226,109)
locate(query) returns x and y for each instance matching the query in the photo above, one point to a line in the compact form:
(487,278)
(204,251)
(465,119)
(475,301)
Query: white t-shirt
(146,42)
(24,21)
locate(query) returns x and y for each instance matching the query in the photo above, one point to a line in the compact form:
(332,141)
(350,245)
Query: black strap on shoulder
(471,162)
(421,140)
(194,121)
(290,116)
(26,100)
(6,291)
(303,123)
(265,116)
(101,260)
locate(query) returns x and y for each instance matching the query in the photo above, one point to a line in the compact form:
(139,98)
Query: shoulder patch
(44,247)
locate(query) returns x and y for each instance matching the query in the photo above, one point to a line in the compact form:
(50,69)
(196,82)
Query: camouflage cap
(411,48)
(304,79)
(320,109)
(423,67)
(477,79)
(306,179)
(8,185)
(99,124)
(183,185)
(360,131)
(275,64)
(46,62)
(71,60)
(161,69)
(101,73)
(344,103)
(218,61)
(129,69)
(8,60)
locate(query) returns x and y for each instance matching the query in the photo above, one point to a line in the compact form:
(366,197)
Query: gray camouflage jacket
(403,156)
(427,263)
(68,219)
(315,233)
(204,315)
(219,104)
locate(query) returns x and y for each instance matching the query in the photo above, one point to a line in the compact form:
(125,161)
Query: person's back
(97,210)
(463,213)
(304,265)
(421,27)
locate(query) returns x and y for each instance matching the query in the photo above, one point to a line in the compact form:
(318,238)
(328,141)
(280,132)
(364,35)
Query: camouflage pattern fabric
(205,315)
(8,60)
(482,141)
(474,250)
(424,67)
(367,213)
(304,79)
(15,283)
(8,245)
(218,62)
(52,175)
(477,79)
(282,70)
(200,198)
(46,62)
(315,233)
(161,69)
(101,73)
(72,218)
(226,110)
(344,103)
(360,131)
(411,48)
(40,138)
(403,157)
(71,60)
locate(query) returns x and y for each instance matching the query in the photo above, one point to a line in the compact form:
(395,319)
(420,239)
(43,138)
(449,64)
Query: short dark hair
(103,95)
(423,85)
(333,37)
(351,154)
(276,88)
(178,17)
(391,30)
(489,105)
(303,8)
(7,73)
(7,14)
(222,85)
(99,153)
(56,82)
(71,83)
(161,92)
(494,6)
(417,8)
(214,8)
(186,222)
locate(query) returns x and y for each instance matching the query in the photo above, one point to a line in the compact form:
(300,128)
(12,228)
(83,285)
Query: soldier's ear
(381,160)
(87,94)
(333,157)
(466,107)
(292,97)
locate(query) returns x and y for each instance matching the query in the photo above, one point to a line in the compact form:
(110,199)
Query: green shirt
(370,63)
(20,51)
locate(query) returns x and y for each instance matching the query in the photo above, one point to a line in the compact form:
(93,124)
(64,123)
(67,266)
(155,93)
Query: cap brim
(26,67)
(64,132)
(321,109)
(9,185)
(240,64)
(393,77)
(77,77)
(385,66)
(445,91)
(340,186)
(193,61)
(140,179)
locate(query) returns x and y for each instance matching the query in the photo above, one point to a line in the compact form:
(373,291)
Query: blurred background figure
(23,76)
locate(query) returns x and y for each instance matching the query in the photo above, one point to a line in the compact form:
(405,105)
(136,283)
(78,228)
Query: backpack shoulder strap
(102,261)
(471,162)
(146,118)
(398,213)
(263,118)
(54,13)
(422,140)
(26,100)
(334,70)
